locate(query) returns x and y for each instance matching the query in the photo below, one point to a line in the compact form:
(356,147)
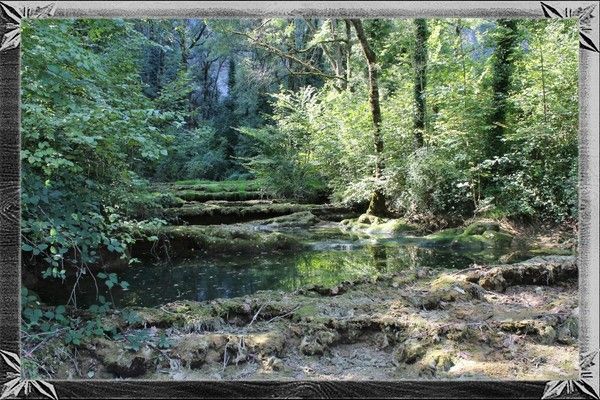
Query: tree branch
(311,69)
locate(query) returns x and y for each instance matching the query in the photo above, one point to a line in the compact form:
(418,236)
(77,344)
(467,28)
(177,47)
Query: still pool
(326,262)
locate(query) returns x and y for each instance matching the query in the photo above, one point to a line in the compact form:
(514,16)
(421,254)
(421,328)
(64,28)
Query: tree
(420,66)
(377,204)
(506,38)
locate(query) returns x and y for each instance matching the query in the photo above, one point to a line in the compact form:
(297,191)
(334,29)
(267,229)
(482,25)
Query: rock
(408,352)
(568,332)
(493,281)
(497,239)
(123,362)
(298,219)
(514,256)
(265,344)
(317,343)
(479,227)
(191,349)
(437,360)
(368,219)
(447,289)
(536,271)
(273,364)
(547,334)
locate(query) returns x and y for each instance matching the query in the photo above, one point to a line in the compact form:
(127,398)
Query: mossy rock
(439,359)
(393,226)
(515,256)
(458,238)
(186,241)
(153,317)
(266,344)
(318,342)
(297,219)
(409,351)
(536,271)
(479,227)
(191,349)
(447,288)
(555,251)
(192,195)
(370,224)
(441,238)
(123,362)
(211,214)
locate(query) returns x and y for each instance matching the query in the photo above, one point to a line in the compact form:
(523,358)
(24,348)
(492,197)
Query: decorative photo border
(11,14)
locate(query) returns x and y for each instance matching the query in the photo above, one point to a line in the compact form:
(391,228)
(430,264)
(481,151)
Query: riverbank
(516,321)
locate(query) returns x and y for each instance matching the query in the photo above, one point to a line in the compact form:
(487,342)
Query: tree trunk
(543,84)
(420,64)
(502,70)
(348,51)
(377,205)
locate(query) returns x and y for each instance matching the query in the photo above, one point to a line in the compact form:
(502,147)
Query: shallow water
(327,262)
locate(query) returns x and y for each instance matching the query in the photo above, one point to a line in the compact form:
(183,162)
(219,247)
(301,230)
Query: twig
(256,315)
(283,315)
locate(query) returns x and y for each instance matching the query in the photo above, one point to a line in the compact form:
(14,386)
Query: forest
(307,198)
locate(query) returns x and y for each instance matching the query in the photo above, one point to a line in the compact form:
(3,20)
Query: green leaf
(26,247)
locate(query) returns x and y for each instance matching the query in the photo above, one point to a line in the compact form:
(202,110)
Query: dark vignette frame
(588,197)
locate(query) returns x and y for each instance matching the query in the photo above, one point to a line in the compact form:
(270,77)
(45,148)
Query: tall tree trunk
(543,84)
(461,47)
(502,70)
(377,205)
(420,64)
(348,51)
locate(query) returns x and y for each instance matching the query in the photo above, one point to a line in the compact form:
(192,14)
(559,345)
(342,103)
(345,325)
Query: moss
(479,227)
(442,238)
(154,317)
(447,288)
(438,359)
(208,214)
(370,224)
(217,186)
(557,251)
(477,236)
(122,362)
(306,311)
(192,195)
(409,351)
(297,219)
(185,241)
(536,271)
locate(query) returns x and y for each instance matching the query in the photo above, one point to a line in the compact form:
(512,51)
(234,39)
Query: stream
(325,262)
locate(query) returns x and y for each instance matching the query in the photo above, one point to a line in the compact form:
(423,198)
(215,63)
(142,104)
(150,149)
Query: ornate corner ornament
(584,14)
(585,385)
(13,16)
(15,385)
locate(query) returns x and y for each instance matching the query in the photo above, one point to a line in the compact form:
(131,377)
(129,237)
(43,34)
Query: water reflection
(327,263)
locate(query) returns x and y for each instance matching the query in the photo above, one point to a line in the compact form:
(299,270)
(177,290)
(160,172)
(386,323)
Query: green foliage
(86,128)
(285,163)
